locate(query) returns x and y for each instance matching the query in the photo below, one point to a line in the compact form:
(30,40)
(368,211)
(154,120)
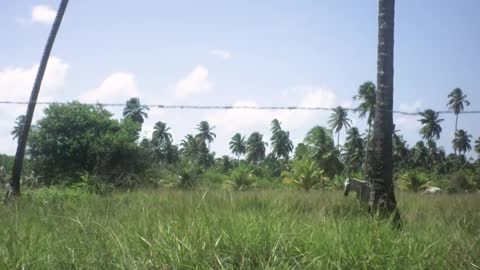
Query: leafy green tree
(380,165)
(205,133)
(281,143)
(461,142)
(19,126)
(431,128)
(238,146)
(135,111)
(457,101)
(74,139)
(353,150)
(255,148)
(339,120)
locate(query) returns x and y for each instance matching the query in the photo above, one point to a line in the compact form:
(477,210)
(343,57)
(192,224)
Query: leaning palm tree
(380,165)
(339,120)
(461,142)
(281,143)
(135,110)
(430,125)
(160,134)
(205,132)
(238,145)
(366,96)
(477,147)
(19,126)
(22,140)
(457,101)
(255,148)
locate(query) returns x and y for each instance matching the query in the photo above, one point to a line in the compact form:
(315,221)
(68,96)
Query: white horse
(432,191)
(362,188)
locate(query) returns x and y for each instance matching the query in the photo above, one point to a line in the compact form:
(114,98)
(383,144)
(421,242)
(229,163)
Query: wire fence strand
(227,107)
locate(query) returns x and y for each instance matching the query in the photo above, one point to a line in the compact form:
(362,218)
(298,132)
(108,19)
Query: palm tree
(380,165)
(366,96)
(281,143)
(461,142)
(339,120)
(319,137)
(19,126)
(22,140)
(353,150)
(205,132)
(431,125)
(190,146)
(238,145)
(420,154)
(477,147)
(255,148)
(456,103)
(135,110)
(160,134)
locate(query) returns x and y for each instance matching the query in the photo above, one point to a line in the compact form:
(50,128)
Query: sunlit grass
(51,229)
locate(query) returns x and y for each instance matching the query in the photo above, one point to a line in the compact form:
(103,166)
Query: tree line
(74,139)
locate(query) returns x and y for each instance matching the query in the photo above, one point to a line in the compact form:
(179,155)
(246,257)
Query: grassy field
(54,229)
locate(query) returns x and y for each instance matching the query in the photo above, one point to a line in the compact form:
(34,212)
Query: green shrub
(188,176)
(306,175)
(241,178)
(413,181)
(458,182)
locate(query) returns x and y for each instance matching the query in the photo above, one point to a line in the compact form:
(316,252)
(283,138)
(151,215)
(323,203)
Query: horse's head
(347,187)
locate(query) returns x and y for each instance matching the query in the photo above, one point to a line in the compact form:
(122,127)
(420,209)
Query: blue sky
(215,52)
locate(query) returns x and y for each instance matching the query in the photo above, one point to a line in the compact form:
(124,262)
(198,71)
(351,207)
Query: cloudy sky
(216,52)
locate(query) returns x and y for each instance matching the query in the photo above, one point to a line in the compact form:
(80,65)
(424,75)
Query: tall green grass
(55,229)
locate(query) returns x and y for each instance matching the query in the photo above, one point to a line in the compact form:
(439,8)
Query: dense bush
(73,139)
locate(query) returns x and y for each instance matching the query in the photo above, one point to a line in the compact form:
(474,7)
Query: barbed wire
(226,107)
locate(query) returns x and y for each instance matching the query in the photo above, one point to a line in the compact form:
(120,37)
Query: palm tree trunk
(338,140)
(380,169)
(367,151)
(22,141)
(456,122)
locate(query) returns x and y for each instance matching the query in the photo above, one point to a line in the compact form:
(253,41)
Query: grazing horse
(432,191)
(362,188)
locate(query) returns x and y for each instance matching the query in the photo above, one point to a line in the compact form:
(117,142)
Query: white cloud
(408,123)
(117,87)
(194,83)
(223,54)
(43,14)
(16,82)
(246,120)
